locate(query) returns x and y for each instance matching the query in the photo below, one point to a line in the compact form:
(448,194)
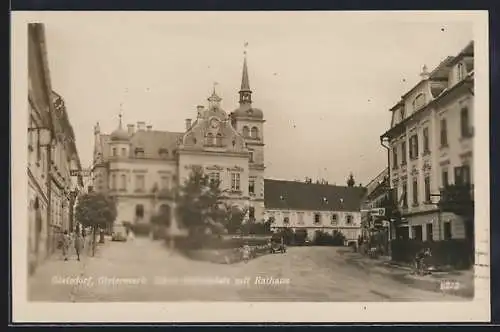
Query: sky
(324,80)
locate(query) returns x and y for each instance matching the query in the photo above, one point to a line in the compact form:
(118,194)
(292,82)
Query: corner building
(142,167)
(431,148)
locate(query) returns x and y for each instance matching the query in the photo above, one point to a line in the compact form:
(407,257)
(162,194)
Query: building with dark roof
(314,207)
(141,166)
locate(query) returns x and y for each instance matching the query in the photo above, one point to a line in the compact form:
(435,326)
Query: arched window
(218,139)
(255,132)
(418,102)
(210,139)
(139,211)
(246,131)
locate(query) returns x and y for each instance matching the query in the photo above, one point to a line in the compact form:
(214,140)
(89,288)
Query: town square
(170,163)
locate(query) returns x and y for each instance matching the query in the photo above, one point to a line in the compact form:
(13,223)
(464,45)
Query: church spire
(245,92)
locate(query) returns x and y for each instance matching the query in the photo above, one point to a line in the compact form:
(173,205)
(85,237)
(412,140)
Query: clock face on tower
(214,123)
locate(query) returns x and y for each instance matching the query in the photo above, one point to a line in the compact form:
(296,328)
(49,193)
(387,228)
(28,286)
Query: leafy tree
(200,204)
(97,211)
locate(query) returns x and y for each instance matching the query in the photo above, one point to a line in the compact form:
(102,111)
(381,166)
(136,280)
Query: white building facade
(431,147)
(142,168)
(314,207)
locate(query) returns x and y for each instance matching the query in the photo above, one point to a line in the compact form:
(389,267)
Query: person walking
(78,242)
(65,241)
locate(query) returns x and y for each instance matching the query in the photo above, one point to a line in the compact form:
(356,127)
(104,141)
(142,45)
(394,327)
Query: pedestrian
(78,243)
(65,241)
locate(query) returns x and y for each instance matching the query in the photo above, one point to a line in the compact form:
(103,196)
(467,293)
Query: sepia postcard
(250,167)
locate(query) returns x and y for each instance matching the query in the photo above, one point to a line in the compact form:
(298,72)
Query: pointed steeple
(245,92)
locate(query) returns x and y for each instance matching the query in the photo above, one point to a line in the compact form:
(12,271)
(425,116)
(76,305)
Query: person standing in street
(65,241)
(78,242)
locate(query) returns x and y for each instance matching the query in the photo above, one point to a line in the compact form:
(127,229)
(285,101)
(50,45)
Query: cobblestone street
(314,274)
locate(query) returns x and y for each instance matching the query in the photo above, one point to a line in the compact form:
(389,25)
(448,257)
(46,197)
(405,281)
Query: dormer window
(418,102)
(402,114)
(460,72)
(139,152)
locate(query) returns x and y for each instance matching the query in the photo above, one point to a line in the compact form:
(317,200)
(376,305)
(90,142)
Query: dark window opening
(139,211)
(447,230)
(430,235)
(317,218)
(417,232)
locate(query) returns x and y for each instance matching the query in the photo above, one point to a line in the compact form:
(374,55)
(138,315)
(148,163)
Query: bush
(300,237)
(210,242)
(455,252)
(322,238)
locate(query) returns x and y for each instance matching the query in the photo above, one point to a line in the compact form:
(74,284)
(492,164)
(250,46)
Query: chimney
(149,127)
(141,126)
(188,124)
(130,129)
(424,74)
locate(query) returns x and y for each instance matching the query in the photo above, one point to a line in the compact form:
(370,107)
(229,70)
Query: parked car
(277,244)
(119,233)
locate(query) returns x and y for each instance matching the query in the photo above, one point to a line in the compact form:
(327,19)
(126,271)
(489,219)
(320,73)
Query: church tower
(249,122)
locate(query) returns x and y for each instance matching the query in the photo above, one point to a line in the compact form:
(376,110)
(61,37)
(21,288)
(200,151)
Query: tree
(97,211)
(200,204)
(350,181)
(234,218)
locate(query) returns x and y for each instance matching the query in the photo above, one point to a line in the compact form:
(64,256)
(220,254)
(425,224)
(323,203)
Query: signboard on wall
(378,212)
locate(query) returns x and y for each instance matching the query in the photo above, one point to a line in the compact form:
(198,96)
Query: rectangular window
(414,147)
(123,182)
(464,122)
(404,196)
(417,232)
(124,152)
(415,192)
(300,217)
(335,218)
(447,230)
(139,183)
(113,181)
(462,175)
(430,235)
(114,152)
(444,178)
(251,186)
(165,183)
(394,157)
(251,156)
(214,178)
(251,212)
(317,218)
(427,188)
(426,140)
(443,133)
(235,181)
(403,153)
